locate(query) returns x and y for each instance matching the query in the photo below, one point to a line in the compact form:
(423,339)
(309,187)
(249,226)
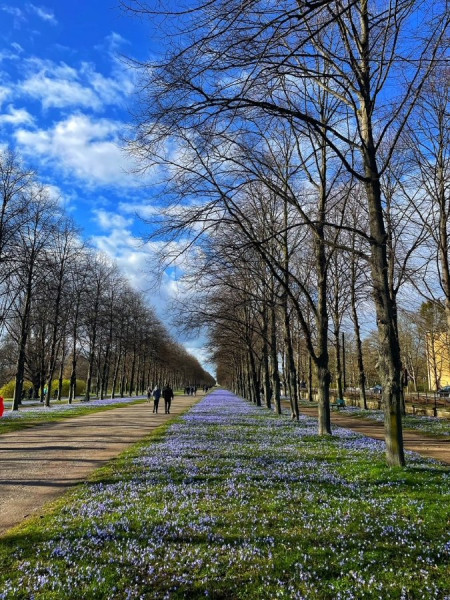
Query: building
(438,360)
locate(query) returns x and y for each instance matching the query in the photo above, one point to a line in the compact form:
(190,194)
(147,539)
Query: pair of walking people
(166,393)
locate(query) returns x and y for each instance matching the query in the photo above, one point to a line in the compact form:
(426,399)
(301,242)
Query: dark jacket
(167,393)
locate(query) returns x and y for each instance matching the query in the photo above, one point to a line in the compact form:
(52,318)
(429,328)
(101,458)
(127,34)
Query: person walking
(168,397)
(156,396)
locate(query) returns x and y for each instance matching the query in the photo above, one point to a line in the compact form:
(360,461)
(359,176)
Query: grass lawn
(234,502)
(36,415)
(430,426)
(435,427)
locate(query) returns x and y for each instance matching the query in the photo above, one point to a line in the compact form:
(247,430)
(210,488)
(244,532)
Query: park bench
(340,403)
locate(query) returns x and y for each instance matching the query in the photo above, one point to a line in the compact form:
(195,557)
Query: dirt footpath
(427,446)
(40,464)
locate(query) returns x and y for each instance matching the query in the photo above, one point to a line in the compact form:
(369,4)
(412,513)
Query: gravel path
(41,463)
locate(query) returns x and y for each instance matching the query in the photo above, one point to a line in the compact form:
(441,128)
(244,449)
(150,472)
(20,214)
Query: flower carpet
(234,502)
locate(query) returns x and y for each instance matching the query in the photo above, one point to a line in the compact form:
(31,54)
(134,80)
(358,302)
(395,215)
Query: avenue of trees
(304,147)
(66,313)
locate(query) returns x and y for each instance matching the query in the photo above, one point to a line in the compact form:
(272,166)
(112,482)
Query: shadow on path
(39,464)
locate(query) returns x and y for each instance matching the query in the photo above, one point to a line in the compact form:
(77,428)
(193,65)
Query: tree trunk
(20,368)
(310,379)
(54,340)
(116,373)
(87,395)
(60,378)
(73,374)
(357,330)
(265,353)
(24,330)
(323,395)
(321,359)
(123,377)
(389,360)
(42,368)
(389,351)
(132,372)
(275,375)
(290,359)
(93,342)
(105,373)
(337,343)
(255,379)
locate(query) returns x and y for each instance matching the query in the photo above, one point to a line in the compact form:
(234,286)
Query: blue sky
(66,94)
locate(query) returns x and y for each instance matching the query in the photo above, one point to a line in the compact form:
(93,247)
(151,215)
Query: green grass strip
(234,502)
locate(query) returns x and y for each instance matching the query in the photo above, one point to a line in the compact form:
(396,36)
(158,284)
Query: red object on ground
(2,407)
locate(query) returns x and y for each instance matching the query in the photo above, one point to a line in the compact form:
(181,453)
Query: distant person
(149,393)
(168,397)
(156,396)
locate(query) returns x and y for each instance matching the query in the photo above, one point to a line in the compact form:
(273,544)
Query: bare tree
(238,62)
(62,252)
(15,183)
(428,139)
(30,272)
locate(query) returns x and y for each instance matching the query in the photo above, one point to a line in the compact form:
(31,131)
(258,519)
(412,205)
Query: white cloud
(60,196)
(110,90)
(43,13)
(4,93)
(201,354)
(57,85)
(17,47)
(15,116)
(20,14)
(138,263)
(8,55)
(12,10)
(109,220)
(87,149)
(144,210)
(113,42)
(135,261)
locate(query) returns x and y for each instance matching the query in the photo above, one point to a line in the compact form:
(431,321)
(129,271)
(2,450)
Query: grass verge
(31,417)
(234,502)
(433,427)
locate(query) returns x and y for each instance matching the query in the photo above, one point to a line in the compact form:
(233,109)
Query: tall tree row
(66,311)
(307,106)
